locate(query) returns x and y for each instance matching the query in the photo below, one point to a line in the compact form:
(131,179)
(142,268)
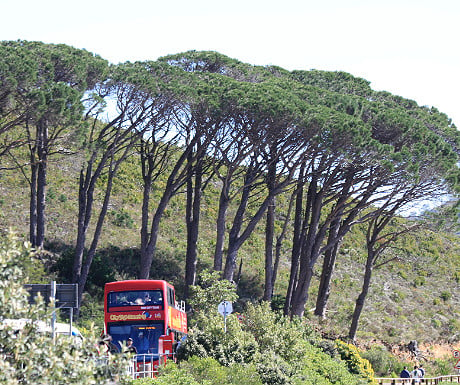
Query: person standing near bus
(130,348)
(143,345)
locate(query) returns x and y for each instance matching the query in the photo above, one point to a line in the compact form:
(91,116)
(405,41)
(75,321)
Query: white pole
(71,318)
(53,315)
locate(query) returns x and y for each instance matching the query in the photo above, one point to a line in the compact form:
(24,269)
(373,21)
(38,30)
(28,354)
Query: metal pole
(53,315)
(71,318)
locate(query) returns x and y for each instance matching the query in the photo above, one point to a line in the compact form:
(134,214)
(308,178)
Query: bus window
(171,300)
(145,336)
(135,298)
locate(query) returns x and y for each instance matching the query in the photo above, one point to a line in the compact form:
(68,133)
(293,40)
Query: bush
(202,371)
(317,367)
(210,340)
(382,361)
(32,357)
(356,364)
(210,292)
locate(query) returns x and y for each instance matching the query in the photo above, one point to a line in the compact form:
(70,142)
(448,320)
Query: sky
(407,47)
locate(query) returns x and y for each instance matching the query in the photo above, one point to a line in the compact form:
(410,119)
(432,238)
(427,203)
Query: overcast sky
(407,47)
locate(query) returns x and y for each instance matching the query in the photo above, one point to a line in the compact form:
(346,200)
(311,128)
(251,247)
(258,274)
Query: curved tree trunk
(270,234)
(224,201)
(193,223)
(42,134)
(324,289)
(296,241)
(362,297)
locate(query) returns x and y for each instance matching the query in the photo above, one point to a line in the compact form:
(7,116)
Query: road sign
(225,308)
(456,353)
(457,365)
(66,295)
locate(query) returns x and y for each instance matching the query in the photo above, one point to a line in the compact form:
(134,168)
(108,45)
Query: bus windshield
(145,336)
(135,298)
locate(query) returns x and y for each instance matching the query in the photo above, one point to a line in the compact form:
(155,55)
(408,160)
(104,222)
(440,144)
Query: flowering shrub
(356,364)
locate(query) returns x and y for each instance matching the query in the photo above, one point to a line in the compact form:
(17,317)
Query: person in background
(416,375)
(143,345)
(422,371)
(405,374)
(130,348)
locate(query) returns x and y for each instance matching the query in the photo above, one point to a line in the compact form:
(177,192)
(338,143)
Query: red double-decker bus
(147,312)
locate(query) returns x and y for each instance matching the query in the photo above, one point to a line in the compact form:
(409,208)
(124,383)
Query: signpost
(62,295)
(225,308)
(456,354)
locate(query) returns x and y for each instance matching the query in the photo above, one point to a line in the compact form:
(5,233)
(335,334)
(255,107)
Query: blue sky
(407,47)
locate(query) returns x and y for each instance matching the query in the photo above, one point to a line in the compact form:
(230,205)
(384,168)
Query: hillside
(413,298)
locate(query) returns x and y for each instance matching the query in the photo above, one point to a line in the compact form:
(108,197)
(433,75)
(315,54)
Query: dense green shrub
(210,340)
(383,362)
(356,364)
(32,357)
(277,348)
(202,371)
(208,370)
(317,367)
(211,290)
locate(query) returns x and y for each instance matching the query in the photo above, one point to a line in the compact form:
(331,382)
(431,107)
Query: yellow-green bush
(356,364)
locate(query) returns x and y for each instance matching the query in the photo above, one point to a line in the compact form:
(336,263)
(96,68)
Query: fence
(424,381)
(145,365)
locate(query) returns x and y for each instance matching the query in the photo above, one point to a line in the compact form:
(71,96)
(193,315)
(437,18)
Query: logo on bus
(128,317)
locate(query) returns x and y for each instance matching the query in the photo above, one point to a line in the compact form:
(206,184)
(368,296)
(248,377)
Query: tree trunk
(193,222)
(97,234)
(148,253)
(42,145)
(33,202)
(85,208)
(362,296)
(296,241)
(300,295)
(324,289)
(311,244)
(270,233)
(269,237)
(147,165)
(224,201)
(327,271)
(175,180)
(232,251)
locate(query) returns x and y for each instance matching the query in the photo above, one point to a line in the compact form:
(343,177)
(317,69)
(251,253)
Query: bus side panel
(177,320)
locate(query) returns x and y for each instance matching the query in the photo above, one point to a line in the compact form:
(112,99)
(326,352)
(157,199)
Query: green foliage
(355,362)
(32,357)
(442,366)
(317,367)
(446,295)
(211,291)
(122,218)
(382,361)
(208,339)
(209,371)
(202,371)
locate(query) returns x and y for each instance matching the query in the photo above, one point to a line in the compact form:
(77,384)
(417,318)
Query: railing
(423,381)
(145,365)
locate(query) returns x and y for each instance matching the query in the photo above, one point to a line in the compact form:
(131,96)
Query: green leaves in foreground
(269,348)
(29,356)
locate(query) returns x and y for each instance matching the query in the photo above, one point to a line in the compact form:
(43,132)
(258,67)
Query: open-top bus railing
(455,378)
(146,365)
